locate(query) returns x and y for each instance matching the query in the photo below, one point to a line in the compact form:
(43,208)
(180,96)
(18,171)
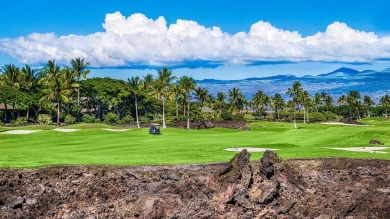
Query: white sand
(65,130)
(116,130)
(250,149)
(340,123)
(19,132)
(364,149)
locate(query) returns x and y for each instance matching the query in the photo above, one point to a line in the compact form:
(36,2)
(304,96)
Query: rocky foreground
(316,188)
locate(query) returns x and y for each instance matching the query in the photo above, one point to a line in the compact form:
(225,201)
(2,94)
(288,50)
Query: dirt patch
(19,132)
(65,130)
(269,188)
(249,149)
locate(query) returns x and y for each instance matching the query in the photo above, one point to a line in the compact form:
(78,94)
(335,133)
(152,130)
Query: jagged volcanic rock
(269,188)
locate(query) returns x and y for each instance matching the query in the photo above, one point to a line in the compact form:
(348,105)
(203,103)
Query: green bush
(87,118)
(69,119)
(44,119)
(111,118)
(226,116)
(144,119)
(330,116)
(316,117)
(19,121)
(128,119)
(180,118)
(238,117)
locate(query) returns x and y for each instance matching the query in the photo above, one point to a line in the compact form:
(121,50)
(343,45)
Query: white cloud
(138,40)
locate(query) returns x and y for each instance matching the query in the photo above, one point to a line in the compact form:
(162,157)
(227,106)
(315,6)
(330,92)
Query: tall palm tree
(328,103)
(79,66)
(135,84)
(317,100)
(353,100)
(164,79)
(385,102)
(236,98)
(305,100)
(30,78)
(70,80)
(188,84)
(57,90)
(294,92)
(220,102)
(11,76)
(278,103)
(259,100)
(368,103)
(201,95)
(176,92)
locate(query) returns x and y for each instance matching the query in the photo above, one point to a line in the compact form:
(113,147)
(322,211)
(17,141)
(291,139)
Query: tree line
(65,93)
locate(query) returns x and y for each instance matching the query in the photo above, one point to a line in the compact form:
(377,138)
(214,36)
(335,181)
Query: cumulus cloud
(140,41)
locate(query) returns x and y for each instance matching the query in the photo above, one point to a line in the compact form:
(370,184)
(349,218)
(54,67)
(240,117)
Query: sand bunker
(340,123)
(20,132)
(116,130)
(65,130)
(251,149)
(364,149)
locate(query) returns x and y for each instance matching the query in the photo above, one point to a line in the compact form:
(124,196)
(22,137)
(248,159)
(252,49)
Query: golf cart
(154,129)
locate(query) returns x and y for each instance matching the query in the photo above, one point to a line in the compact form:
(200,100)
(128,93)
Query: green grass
(91,145)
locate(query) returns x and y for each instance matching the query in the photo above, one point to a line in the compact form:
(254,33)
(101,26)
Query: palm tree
(57,89)
(176,92)
(188,84)
(236,98)
(80,69)
(135,87)
(220,102)
(201,94)
(278,103)
(259,100)
(342,100)
(70,80)
(164,79)
(305,100)
(367,101)
(385,102)
(12,77)
(353,101)
(328,103)
(317,100)
(30,81)
(294,93)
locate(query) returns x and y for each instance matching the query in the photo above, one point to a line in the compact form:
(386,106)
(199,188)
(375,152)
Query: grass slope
(92,145)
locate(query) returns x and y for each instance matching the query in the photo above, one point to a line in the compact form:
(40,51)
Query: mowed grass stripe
(92,145)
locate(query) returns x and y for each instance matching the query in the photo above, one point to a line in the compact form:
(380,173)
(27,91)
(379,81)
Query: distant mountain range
(338,82)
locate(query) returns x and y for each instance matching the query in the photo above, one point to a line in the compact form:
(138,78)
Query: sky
(204,39)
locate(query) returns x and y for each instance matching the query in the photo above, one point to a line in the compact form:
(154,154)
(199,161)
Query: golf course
(101,144)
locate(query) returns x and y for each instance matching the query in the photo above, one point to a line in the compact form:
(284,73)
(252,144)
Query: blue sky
(249,39)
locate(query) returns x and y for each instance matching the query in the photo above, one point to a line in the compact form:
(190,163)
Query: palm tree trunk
(164,126)
(304,115)
(58,113)
(136,110)
(78,103)
(188,113)
(6,111)
(295,122)
(308,121)
(177,110)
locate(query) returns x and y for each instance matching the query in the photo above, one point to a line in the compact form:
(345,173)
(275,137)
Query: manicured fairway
(93,145)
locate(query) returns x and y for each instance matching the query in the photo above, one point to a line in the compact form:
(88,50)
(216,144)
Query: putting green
(93,145)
